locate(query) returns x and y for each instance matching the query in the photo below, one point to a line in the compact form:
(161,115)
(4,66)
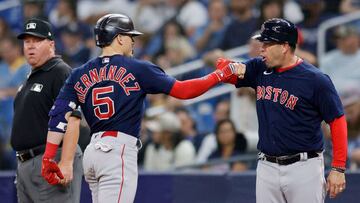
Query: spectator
(230,144)
(210,36)
(151,15)
(174,151)
(4,28)
(343,63)
(313,17)
(33,9)
(13,72)
(292,11)
(63,17)
(209,145)
(188,128)
(190,14)
(175,49)
(349,6)
(242,25)
(75,51)
(270,9)
(63,14)
(90,11)
(351,102)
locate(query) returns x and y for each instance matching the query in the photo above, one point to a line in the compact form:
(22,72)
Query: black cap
(38,28)
(278,30)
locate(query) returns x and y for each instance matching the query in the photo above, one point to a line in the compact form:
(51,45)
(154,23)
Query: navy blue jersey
(291,106)
(111,91)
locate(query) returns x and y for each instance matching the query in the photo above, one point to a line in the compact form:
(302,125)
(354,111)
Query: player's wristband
(50,151)
(338,169)
(76,113)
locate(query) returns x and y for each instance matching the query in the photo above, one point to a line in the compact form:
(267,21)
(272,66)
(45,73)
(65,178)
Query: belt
(27,154)
(290,159)
(110,133)
(115,134)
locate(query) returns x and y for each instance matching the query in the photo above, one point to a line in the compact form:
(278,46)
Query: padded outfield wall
(191,188)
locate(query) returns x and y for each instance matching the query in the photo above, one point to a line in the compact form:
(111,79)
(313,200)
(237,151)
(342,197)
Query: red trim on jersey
(122,172)
(280,70)
(338,129)
(189,89)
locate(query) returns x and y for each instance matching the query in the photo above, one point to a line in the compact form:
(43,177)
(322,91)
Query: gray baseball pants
(300,182)
(32,187)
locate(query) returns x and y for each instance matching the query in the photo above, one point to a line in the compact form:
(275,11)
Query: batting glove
(225,71)
(50,171)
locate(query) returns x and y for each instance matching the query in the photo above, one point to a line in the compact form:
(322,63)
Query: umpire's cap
(110,25)
(38,28)
(278,30)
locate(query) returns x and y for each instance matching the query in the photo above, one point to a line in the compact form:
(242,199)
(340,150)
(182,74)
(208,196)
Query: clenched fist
(51,172)
(234,70)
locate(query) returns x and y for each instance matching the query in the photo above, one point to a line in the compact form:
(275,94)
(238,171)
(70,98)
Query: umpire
(32,104)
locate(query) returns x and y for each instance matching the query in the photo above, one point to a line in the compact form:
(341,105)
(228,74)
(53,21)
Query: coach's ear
(286,48)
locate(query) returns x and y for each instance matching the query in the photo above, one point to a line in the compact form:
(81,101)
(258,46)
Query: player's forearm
(52,144)
(55,134)
(70,140)
(338,129)
(192,88)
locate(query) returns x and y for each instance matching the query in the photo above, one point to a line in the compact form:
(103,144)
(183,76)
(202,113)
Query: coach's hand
(66,169)
(51,172)
(232,70)
(335,183)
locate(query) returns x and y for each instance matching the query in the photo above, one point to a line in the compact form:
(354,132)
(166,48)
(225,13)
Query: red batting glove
(49,168)
(222,64)
(50,171)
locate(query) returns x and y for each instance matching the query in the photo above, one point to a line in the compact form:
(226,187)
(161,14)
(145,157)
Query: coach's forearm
(70,141)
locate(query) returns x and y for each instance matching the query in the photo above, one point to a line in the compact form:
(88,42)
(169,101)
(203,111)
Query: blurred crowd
(176,32)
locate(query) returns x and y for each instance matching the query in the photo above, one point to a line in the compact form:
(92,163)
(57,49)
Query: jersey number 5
(97,101)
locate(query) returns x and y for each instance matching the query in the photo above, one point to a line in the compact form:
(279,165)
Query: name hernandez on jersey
(115,74)
(111,91)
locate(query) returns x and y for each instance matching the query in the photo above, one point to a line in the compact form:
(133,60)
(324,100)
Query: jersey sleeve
(327,99)
(253,67)
(153,79)
(67,91)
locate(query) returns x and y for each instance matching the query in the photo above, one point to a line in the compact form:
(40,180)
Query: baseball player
(110,90)
(293,98)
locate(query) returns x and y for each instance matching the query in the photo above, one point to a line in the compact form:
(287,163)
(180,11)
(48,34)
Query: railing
(326,25)
(197,64)
(239,158)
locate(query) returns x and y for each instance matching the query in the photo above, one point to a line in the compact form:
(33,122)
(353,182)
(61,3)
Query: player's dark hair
(292,46)
(187,112)
(240,141)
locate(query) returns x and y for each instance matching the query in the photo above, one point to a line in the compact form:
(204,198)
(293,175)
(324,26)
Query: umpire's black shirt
(33,103)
